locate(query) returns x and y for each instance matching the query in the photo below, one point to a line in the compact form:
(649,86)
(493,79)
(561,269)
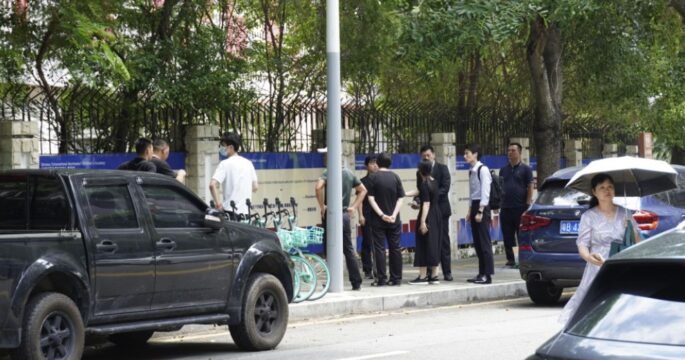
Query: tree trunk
(544,61)
(474,77)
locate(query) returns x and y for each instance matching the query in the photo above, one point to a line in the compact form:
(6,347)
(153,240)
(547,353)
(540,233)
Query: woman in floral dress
(601,224)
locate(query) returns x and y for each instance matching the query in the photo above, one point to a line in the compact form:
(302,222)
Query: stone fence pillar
(573,152)
(525,144)
(610,151)
(19,145)
(446,153)
(632,150)
(202,158)
(348,149)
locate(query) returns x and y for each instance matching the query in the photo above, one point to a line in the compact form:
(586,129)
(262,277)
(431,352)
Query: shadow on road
(161,351)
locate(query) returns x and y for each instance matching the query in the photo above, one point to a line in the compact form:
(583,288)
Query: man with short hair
(441,174)
(142,160)
(236,175)
(479,214)
(159,157)
(385,197)
(349,182)
(517,186)
(365,212)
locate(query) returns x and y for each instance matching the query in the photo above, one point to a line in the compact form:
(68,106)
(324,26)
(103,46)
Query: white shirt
(236,175)
(480,190)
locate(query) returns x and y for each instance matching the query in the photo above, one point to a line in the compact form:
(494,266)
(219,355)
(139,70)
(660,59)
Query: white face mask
(223,152)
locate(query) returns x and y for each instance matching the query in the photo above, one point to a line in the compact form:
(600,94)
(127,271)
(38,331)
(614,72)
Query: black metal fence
(83,120)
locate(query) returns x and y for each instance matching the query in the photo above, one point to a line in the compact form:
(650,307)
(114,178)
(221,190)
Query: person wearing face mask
(236,175)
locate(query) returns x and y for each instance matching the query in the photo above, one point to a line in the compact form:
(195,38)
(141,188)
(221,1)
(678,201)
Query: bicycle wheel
(307,278)
(323,275)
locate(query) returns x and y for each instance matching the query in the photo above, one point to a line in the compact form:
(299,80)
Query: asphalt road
(507,329)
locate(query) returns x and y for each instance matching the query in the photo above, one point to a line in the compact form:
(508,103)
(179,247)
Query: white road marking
(375,356)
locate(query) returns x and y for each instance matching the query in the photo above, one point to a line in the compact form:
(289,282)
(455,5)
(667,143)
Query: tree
(60,42)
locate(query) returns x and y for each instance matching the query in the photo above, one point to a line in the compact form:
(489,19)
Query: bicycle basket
(300,236)
(286,239)
(315,235)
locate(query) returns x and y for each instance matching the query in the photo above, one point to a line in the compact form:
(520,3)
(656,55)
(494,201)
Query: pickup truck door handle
(107,246)
(166,244)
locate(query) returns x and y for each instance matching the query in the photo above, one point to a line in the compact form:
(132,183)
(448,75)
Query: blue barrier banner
(399,161)
(274,161)
(101,161)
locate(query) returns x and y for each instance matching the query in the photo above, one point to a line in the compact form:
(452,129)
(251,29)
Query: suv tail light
(531,222)
(646,220)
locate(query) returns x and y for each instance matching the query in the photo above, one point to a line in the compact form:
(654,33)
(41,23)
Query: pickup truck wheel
(265,314)
(52,329)
(543,292)
(134,338)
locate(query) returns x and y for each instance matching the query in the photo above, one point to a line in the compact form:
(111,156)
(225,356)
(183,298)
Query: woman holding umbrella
(603,223)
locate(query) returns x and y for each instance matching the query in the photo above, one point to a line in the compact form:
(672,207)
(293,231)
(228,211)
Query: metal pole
(334,215)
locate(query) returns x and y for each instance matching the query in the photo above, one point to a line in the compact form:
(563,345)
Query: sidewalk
(506,283)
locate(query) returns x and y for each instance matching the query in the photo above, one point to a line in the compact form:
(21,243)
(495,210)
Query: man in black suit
(441,174)
(142,160)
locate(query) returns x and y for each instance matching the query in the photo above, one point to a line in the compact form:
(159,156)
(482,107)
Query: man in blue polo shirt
(517,186)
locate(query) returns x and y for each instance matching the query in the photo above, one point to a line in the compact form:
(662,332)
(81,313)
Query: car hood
(567,346)
(667,245)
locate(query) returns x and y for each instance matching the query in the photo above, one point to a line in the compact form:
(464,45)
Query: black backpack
(495,202)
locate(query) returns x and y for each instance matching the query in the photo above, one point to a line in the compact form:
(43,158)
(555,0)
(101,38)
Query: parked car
(548,254)
(125,254)
(635,308)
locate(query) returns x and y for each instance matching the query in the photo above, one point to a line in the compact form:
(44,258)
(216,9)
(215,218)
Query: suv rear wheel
(265,314)
(135,338)
(52,329)
(543,292)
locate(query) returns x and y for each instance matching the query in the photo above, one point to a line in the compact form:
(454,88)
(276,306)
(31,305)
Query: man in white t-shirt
(236,175)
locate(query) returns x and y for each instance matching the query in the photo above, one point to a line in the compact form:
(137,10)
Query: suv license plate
(569,227)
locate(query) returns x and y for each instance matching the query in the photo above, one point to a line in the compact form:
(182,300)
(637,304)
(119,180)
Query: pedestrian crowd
(379,197)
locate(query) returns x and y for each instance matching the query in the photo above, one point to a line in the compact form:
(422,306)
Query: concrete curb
(347,304)
(404,297)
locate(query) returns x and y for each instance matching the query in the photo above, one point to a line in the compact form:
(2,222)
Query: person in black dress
(427,255)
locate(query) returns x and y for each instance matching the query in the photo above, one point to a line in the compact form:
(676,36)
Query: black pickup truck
(124,254)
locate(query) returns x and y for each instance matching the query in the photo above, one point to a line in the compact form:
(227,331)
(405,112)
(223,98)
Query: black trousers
(349,251)
(445,246)
(367,249)
(391,233)
(510,219)
(481,239)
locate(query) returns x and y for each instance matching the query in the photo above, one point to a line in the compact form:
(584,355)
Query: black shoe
(473,280)
(511,265)
(368,275)
(483,280)
(448,277)
(378,283)
(356,287)
(419,281)
(435,280)
(394,282)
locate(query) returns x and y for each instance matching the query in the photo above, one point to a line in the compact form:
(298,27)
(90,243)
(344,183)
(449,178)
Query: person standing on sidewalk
(517,179)
(385,197)
(441,174)
(428,231)
(159,158)
(349,181)
(236,175)
(365,213)
(479,214)
(143,156)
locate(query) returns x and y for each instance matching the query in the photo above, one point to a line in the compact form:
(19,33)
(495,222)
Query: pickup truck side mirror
(214,219)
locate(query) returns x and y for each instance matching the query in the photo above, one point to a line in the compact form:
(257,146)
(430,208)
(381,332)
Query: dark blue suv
(548,254)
